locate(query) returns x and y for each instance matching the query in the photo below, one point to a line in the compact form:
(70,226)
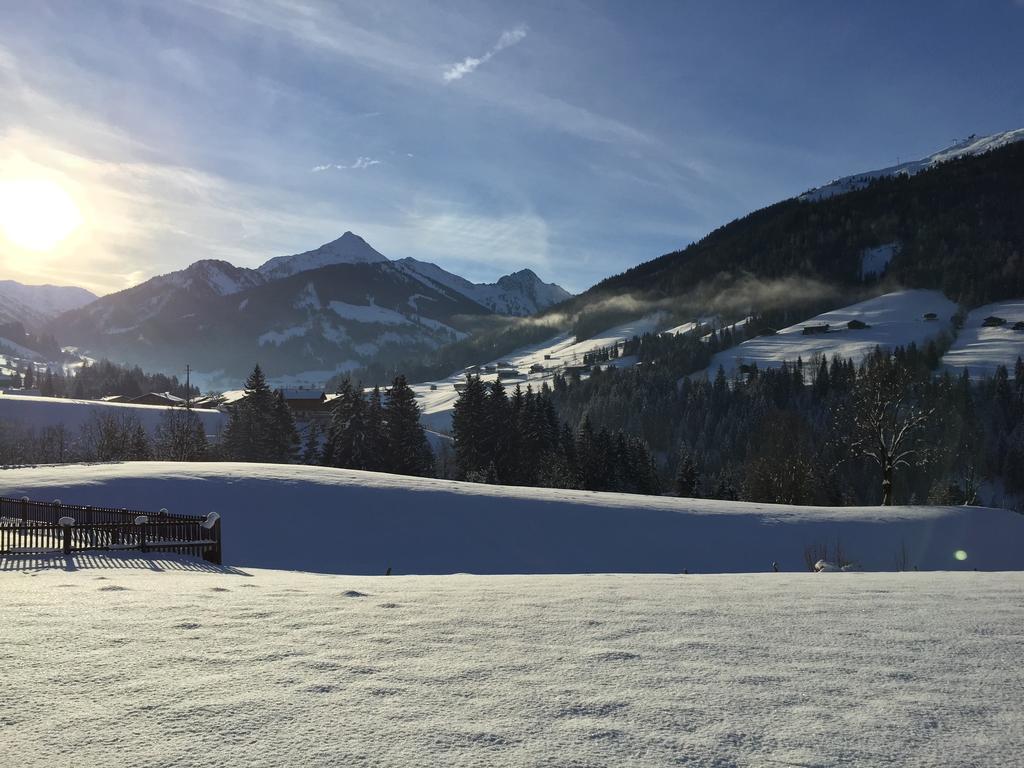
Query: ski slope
(895,319)
(981,350)
(346,521)
(41,412)
(155,662)
(437,398)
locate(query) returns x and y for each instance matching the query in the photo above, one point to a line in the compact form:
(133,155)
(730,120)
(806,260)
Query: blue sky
(575,138)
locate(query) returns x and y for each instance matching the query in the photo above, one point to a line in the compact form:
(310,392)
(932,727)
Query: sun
(37,214)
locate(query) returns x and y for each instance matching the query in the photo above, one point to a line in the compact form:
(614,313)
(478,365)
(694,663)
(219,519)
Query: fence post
(141,521)
(88,524)
(212,524)
(66,523)
(24,511)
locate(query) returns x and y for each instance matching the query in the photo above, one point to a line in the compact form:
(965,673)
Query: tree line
(519,440)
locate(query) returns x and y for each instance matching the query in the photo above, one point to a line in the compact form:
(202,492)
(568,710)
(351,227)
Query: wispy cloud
(360,163)
(468,65)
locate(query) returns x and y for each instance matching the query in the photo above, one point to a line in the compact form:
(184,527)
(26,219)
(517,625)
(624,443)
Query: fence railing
(37,527)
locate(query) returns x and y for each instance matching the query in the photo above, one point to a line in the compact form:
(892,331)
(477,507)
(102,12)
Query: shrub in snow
(993,322)
(66,521)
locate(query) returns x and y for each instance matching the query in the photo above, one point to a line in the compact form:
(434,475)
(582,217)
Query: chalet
(504,374)
(307,404)
(207,401)
(810,330)
(857,325)
(8,381)
(993,322)
(536,368)
(154,398)
(433,387)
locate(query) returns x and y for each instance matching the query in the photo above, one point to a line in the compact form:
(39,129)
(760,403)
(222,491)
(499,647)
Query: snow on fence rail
(39,527)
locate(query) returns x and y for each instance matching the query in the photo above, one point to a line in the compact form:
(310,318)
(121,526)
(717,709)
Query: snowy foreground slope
(345,521)
(163,663)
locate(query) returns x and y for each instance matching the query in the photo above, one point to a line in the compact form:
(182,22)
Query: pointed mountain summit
(350,248)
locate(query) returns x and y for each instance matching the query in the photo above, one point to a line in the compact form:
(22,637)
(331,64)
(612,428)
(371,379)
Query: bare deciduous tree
(888,421)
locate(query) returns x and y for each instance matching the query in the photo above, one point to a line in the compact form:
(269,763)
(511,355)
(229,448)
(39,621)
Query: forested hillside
(956,228)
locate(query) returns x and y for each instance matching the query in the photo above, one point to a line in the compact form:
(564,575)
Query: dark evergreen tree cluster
(260,426)
(92,381)
(377,433)
(805,433)
(518,439)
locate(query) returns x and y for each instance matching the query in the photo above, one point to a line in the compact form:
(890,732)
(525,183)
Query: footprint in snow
(113,588)
(320,688)
(389,605)
(354,593)
(219,589)
(616,656)
(187,625)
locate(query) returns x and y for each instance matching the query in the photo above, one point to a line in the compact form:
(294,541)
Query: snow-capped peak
(219,277)
(972,145)
(350,248)
(521,293)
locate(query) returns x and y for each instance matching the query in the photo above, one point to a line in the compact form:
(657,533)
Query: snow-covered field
(895,319)
(981,350)
(41,412)
(162,663)
(345,521)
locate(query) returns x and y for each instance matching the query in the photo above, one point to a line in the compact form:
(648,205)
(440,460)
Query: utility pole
(188,387)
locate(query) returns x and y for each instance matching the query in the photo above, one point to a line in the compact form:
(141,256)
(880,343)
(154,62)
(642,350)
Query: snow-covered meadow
(980,349)
(160,662)
(346,521)
(894,319)
(41,412)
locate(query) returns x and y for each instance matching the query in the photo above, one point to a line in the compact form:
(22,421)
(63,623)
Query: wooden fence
(38,527)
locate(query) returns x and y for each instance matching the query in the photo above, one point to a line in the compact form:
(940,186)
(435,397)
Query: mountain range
(305,316)
(35,305)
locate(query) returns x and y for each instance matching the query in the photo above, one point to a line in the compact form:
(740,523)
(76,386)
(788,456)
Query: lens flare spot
(960,555)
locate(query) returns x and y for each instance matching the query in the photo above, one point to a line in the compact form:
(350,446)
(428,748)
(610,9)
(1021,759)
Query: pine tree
(376,434)
(139,450)
(686,475)
(311,445)
(408,452)
(284,435)
(469,428)
(249,435)
(348,434)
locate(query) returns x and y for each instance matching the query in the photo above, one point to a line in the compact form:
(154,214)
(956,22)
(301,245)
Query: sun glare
(37,214)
